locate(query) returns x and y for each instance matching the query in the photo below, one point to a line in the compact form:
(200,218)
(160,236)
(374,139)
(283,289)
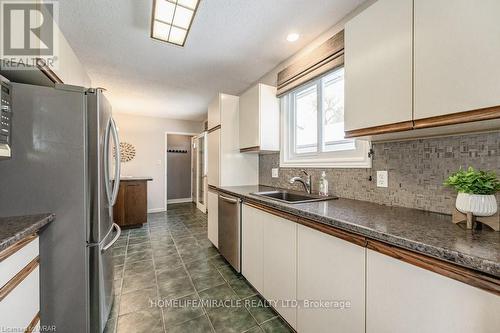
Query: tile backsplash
(416,168)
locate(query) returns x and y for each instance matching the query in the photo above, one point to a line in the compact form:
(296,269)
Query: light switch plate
(274,172)
(382,179)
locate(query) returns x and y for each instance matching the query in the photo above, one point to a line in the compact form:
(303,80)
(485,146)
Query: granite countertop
(424,232)
(15,228)
(126,179)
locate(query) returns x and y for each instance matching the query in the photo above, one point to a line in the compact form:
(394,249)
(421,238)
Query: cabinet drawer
(15,262)
(22,304)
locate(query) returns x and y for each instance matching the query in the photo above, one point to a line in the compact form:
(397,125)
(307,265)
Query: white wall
(270,78)
(147,134)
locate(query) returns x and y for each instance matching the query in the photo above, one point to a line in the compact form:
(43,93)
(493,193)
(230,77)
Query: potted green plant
(476,191)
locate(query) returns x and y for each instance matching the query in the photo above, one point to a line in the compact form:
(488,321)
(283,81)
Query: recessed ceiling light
(292,37)
(172,20)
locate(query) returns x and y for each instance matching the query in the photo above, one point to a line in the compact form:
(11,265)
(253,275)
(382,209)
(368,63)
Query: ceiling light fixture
(172,19)
(292,37)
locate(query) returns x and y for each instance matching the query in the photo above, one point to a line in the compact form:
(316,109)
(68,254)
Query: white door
(201,172)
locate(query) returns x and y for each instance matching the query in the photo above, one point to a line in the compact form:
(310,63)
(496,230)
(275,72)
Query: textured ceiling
(232,43)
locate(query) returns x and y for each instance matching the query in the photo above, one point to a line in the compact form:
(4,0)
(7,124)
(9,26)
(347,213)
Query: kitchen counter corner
(16,228)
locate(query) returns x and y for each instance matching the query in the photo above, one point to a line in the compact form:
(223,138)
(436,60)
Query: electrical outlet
(274,172)
(382,179)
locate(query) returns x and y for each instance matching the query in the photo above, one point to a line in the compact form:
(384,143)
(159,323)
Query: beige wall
(147,134)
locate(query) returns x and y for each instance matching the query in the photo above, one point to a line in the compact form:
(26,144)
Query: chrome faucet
(306,183)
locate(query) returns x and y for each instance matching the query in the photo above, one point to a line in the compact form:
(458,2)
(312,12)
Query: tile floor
(170,258)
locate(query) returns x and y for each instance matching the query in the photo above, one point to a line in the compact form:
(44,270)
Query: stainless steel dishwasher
(230,230)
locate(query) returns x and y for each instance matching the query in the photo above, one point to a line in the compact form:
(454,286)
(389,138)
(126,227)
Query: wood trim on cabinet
(16,247)
(459,118)
(453,271)
(347,236)
(213,129)
(18,278)
(459,273)
(250,149)
(322,59)
(33,323)
(383,129)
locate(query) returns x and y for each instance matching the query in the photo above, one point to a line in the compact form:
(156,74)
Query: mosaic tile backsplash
(416,168)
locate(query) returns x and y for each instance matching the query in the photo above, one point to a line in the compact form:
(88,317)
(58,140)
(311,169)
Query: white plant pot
(477,204)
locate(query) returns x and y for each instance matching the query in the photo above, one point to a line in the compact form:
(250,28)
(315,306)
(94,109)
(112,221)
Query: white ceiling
(232,44)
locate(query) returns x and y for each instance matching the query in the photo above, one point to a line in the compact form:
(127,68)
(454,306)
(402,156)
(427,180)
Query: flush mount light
(172,20)
(292,37)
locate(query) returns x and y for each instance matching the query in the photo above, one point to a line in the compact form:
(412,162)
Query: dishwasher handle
(231,200)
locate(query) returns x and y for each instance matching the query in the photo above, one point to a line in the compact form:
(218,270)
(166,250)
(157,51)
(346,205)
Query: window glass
(306,121)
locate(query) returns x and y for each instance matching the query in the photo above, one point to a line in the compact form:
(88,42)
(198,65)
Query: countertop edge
(30,230)
(478,264)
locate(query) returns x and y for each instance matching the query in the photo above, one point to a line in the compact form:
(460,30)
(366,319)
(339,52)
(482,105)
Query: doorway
(178,164)
(201,185)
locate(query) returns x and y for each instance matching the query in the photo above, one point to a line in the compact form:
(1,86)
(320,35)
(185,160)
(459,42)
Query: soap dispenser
(323,185)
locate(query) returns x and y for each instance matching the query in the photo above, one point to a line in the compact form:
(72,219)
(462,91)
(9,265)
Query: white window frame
(347,158)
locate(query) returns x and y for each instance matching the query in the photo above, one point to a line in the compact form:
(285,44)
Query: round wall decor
(127,152)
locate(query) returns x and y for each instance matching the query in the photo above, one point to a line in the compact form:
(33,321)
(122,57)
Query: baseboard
(156,210)
(181,200)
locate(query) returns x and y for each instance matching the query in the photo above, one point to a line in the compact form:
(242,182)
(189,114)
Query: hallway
(170,258)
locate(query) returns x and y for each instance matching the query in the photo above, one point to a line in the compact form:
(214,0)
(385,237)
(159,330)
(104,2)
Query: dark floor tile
(137,300)
(115,307)
(220,294)
(164,251)
(256,329)
(141,322)
(183,310)
(138,281)
(141,247)
(139,256)
(276,325)
(231,320)
(174,284)
(138,240)
(118,260)
(206,279)
(118,271)
(198,325)
(139,267)
(110,326)
(167,262)
(118,251)
(242,288)
(218,261)
(259,308)
(228,273)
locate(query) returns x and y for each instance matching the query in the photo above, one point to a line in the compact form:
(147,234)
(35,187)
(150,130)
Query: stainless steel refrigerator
(62,162)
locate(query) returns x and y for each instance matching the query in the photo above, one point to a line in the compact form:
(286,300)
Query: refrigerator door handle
(106,162)
(116,185)
(118,233)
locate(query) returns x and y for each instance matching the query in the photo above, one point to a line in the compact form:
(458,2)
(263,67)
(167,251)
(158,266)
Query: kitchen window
(313,127)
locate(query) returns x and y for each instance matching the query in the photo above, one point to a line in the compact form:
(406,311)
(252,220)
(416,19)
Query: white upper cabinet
(214,112)
(330,269)
(378,65)
(401,297)
(259,119)
(226,165)
(457,56)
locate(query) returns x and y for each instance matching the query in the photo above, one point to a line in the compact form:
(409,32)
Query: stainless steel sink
(292,197)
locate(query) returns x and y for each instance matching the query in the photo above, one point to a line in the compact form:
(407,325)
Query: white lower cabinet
(331,271)
(401,297)
(19,285)
(280,265)
(213,218)
(252,246)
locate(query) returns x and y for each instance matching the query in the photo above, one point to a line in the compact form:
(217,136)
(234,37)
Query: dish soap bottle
(323,185)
